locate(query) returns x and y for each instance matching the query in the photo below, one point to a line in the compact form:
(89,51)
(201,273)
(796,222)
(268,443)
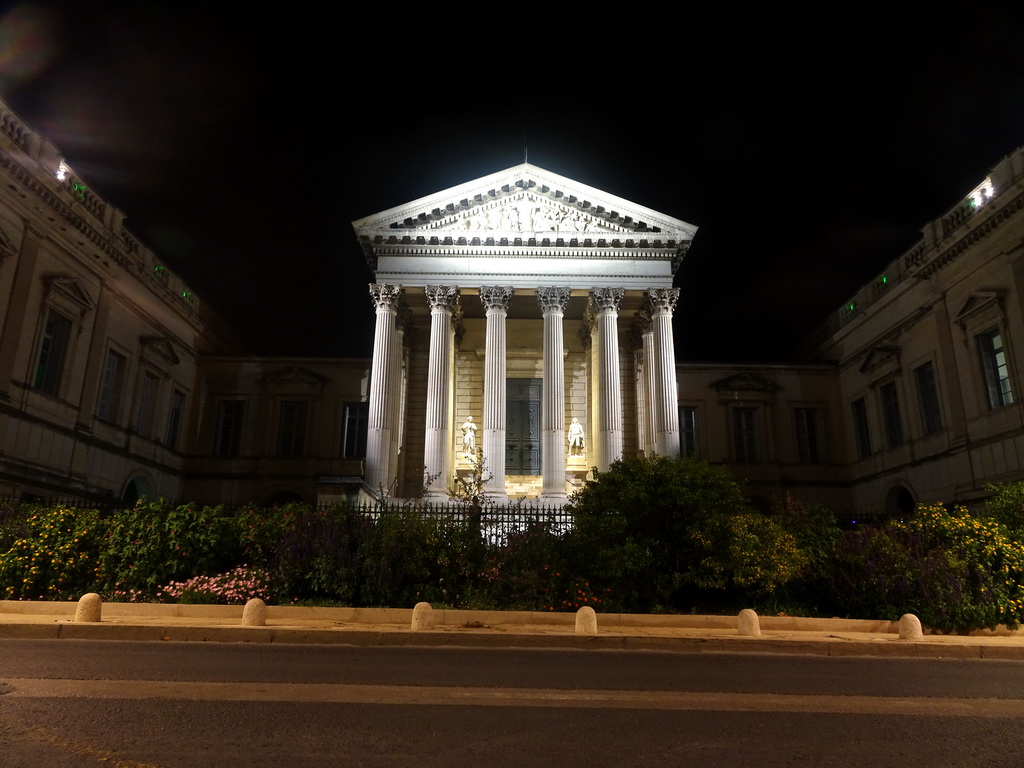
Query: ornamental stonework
(385,296)
(444,297)
(553,299)
(663,300)
(495,297)
(606,299)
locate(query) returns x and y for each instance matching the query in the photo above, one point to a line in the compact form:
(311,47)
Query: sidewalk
(495,629)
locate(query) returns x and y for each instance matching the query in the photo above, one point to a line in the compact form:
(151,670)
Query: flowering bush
(956,572)
(57,559)
(154,543)
(235,587)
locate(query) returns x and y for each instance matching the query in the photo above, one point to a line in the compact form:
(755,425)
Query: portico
(524,300)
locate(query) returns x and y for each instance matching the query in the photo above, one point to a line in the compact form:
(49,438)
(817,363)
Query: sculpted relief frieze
(527,214)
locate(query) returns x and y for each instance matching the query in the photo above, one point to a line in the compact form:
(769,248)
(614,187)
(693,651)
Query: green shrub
(58,558)
(415,555)
(661,533)
(954,571)
(1006,506)
(316,557)
(154,543)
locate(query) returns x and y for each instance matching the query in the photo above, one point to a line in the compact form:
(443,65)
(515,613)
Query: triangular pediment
(520,200)
(880,355)
(159,346)
(292,379)
(485,230)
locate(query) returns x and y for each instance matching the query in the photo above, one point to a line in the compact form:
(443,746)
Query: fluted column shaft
(647,382)
(553,302)
(495,300)
(609,394)
(379,424)
(437,441)
(666,395)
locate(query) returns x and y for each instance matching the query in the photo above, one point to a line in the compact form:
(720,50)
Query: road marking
(510,697)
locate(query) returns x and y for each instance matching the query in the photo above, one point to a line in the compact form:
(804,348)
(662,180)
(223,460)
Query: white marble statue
(468,438)
(577,439)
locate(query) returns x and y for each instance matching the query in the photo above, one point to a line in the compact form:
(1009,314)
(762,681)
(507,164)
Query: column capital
(554,299)
(495,297)
(606,299)
(442,296)
(385,296)
(663,300)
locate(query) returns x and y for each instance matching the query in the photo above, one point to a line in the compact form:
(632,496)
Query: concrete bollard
(586,621)
(422,617)
(255,613)
(748,624)
(910,627)
(89,608)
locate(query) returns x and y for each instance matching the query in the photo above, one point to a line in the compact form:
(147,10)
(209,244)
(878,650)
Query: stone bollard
(422,617)
(910,627)
(586,621)
(89,607)
(255,613)
(748,624)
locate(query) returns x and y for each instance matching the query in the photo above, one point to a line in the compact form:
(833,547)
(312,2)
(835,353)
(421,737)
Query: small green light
(883,280)
(186,294)
(159,268)
(851,307)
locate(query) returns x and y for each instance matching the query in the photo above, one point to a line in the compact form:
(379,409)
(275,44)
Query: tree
(664,533)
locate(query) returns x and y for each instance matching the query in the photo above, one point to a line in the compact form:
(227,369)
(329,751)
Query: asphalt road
(137,705)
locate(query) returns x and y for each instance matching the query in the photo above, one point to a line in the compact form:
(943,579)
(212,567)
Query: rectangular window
(146,404)
(928,397)
(174,419)
(890,400)
(52,351)
(997,374)
(745,435)
(810,435)
(291,433)
(229,427)
(353,441)
(108,407)
(860,428)
(688,431)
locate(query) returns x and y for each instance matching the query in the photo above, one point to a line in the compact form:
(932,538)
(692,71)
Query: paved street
(84,703)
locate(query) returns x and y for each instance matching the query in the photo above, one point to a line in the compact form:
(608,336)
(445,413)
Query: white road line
(509,697)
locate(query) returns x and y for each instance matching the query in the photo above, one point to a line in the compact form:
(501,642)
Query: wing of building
(523,320)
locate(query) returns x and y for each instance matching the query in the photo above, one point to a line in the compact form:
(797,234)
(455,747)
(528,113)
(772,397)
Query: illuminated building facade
(522,314)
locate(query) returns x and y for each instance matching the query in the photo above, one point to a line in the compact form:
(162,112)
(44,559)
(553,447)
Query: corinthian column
(646,330)
(605,303)
(379,424)
(495,300)
(552,452)
(666,395)
(437,440)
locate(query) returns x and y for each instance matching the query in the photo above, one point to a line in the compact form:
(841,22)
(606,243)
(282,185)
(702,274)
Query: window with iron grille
(890,399)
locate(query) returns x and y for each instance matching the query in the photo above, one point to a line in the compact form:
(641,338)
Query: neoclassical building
(524,318)
(517,305)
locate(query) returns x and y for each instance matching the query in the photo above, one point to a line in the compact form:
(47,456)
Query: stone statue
(468,438)
(577,439)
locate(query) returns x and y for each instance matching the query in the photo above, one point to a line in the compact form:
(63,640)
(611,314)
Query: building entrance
(522,428)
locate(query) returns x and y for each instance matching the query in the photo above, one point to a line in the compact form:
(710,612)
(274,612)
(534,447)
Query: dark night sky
(241,144)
